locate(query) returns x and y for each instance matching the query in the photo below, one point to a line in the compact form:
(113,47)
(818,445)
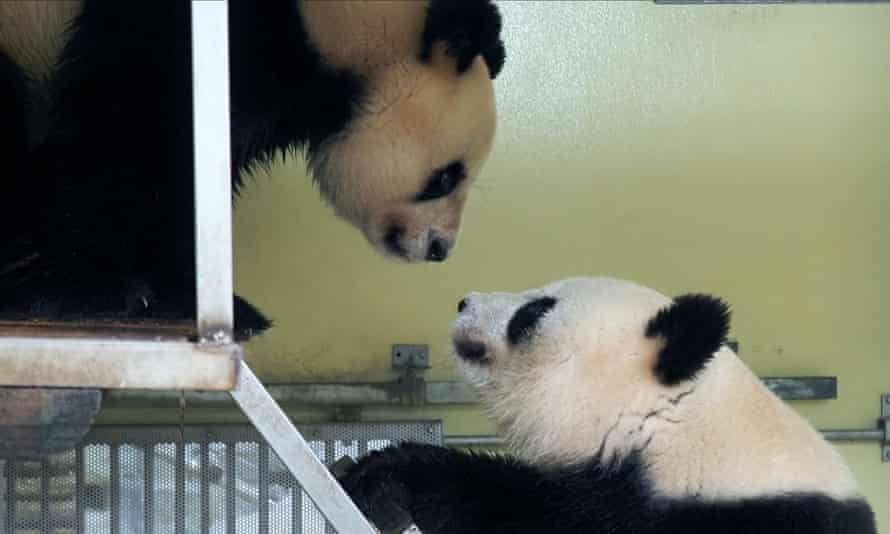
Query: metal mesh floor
(220,479)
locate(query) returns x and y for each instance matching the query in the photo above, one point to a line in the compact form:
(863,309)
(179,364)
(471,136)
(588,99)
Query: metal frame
(863,434)
(213,256)
(119,361)
(213,172)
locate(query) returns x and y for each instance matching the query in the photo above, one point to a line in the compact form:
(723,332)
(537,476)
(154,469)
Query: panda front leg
(448,491)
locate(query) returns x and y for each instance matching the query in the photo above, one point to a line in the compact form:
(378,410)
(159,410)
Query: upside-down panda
(627,413)
(392,101)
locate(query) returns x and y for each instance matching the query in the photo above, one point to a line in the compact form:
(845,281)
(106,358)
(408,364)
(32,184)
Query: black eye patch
(443,182)
(526,318)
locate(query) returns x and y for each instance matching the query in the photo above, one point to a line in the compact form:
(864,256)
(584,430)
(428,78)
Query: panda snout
(392,240)
(438,249)
(399,241)
(470,350)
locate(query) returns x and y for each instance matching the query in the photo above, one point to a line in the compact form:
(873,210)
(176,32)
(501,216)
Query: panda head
(402,168)
(598,369)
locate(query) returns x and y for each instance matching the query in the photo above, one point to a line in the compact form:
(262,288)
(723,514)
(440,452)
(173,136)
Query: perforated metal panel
(220,479)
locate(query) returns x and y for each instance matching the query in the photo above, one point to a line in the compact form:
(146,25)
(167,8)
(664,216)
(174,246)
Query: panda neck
(736,439)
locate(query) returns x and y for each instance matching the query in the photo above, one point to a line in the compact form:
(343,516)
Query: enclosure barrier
(191,479)
(214,361)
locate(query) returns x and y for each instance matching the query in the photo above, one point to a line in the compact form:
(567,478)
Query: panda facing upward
(392,101)
(627,414)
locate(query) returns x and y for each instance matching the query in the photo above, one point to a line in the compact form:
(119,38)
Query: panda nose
(438,250)
(462,305)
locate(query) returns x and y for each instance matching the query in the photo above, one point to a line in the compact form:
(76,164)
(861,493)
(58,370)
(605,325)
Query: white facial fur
(420,117)
(584,384)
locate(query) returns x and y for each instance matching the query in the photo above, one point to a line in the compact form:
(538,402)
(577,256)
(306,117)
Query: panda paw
(373,486)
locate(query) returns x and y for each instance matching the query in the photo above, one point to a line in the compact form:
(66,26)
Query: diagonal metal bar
(297,456)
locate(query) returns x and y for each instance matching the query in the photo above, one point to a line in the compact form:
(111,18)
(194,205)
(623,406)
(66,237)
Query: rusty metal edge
(108,363)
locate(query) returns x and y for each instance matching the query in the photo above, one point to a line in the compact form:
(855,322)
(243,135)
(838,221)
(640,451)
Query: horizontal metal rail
(864,434)
(487,440)
(356,394)
(111,363)
(426,392)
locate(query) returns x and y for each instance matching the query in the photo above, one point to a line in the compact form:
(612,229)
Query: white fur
(585,384)
(32,32)
(419,117)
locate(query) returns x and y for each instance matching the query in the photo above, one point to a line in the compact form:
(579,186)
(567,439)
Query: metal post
(205,487)
(179,481)
(295,453)
(884,423)
(213,261)
(213,175)
(115,488)
(263,493)
(231,484)
(149,489)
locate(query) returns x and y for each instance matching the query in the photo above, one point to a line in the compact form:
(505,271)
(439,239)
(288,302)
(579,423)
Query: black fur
(469,28)
(525,319)
(693,328)
(98,215)
(14,110)
(451,492)
(14,135)
(283,94)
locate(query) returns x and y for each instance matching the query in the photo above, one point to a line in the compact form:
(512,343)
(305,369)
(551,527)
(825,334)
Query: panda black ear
(693,328)
(468,28)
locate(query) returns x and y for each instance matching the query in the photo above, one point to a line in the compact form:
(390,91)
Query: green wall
(743,151)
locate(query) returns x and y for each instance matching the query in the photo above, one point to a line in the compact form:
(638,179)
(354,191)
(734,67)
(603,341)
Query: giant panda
(392,101)
(626,413)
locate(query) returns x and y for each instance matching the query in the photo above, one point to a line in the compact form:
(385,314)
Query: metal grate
(220,479)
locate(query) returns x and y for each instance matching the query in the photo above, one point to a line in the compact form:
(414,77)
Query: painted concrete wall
(743,151)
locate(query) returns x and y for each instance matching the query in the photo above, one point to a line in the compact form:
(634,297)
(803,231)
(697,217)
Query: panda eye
(526,318)
(442,182)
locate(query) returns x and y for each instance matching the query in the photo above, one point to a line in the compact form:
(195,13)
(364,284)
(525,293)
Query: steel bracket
(406,356)
(884,424)
(411,360)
